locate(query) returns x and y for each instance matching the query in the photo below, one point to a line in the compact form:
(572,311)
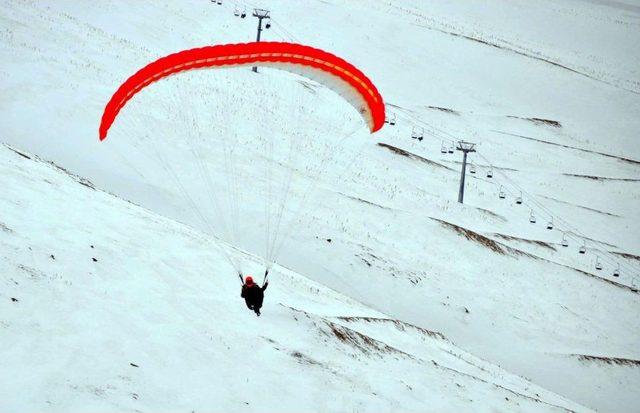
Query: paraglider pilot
(253,294)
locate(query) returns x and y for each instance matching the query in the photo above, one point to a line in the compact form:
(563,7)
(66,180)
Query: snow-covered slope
(111,311)
(548,90)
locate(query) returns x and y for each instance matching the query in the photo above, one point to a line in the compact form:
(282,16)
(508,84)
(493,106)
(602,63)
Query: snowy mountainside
(121,316)
(548,91)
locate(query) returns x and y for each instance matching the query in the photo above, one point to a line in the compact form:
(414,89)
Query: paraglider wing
(330,70)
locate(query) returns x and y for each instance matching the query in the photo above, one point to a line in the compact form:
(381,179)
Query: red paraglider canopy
(338,74)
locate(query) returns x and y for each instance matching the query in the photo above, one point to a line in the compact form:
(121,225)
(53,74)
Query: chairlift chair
(236,12)
(450,150)
(268,25)
(219,2)
(550,224)
(391,120)
(417,135)
(472,169)
(565,243)
(490,173)
(616,272)
(598,264)
(519,199)
(501,194)
(532,218)
(443,148)
(583,248)
(244,13)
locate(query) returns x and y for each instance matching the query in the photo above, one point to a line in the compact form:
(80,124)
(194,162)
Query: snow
(128,332)
(346,323)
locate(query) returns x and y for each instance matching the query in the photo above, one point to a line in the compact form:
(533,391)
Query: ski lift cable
(417,121)
(441,134)
(430,129)
(445,136)
(532,216)
(576,235)
(535,206)
(283,36)
(574,232)
(236,3)
(285,30)
(254,6)
(412,120)
(282,31)
(426,128)
(518,188)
